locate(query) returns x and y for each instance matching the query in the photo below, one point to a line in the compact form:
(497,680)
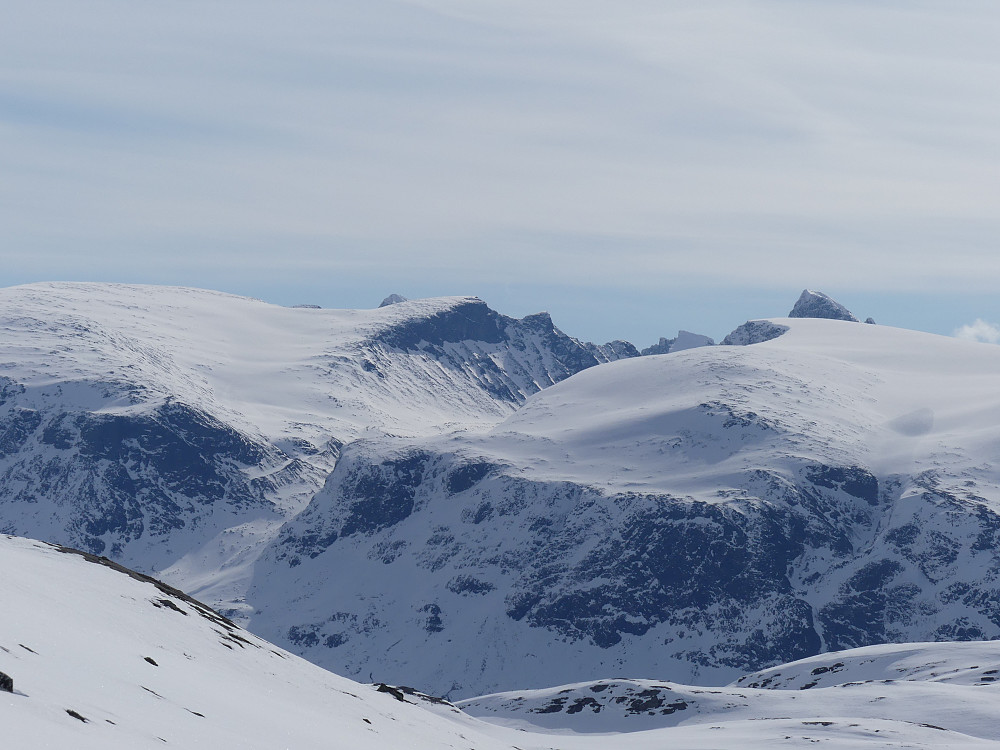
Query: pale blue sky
(633,166)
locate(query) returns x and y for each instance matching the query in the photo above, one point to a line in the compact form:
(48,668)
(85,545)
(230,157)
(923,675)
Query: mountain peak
(684,340)
(813,304)
(393,299)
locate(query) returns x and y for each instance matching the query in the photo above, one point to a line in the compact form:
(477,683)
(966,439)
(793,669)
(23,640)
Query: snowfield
(101,659)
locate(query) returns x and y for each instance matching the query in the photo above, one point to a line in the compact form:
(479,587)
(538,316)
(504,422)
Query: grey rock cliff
(818,305)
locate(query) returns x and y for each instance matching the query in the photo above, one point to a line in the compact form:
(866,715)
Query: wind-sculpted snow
(696,515)
(176,429)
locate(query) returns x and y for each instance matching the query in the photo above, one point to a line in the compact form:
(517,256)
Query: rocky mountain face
(689,516)
(175,430)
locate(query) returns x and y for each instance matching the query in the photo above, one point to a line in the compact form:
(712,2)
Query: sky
(631,166)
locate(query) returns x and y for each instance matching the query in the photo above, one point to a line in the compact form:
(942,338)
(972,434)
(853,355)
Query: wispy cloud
(979,330)
(636,142)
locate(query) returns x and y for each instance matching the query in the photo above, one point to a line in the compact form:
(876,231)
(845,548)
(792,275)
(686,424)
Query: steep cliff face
(691,516)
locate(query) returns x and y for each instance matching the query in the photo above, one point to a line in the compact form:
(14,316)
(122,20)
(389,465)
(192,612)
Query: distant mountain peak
(393,299)
(812,304)
(684,340)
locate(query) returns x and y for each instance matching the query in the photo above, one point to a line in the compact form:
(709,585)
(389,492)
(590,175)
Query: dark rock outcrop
(818,305)
(754,332)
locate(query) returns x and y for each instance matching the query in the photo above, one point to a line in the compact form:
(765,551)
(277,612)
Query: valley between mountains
(433,494)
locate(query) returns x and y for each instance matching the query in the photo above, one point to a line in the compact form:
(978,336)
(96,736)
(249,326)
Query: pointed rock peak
(393,299)
(541,321)
(817,305)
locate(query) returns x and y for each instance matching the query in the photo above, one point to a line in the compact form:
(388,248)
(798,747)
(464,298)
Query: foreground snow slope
(695,515)
(139,666)
(102,658)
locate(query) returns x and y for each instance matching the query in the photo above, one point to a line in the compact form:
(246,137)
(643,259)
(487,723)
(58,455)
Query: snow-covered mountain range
(694,515)
(175,430)
(434,494)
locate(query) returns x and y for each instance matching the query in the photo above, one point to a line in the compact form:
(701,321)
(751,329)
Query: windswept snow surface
(102,659)
(696,516)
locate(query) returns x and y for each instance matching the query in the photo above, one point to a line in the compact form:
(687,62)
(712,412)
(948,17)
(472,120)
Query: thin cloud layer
(979,330)
(635,143)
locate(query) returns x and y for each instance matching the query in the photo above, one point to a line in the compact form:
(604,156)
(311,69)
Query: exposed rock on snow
(754,332)
(931,686)
(818,305)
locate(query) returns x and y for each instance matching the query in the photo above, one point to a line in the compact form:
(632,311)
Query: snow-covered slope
(100,659)
(103,658)
(695,516)
(176,429)
(927,686)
